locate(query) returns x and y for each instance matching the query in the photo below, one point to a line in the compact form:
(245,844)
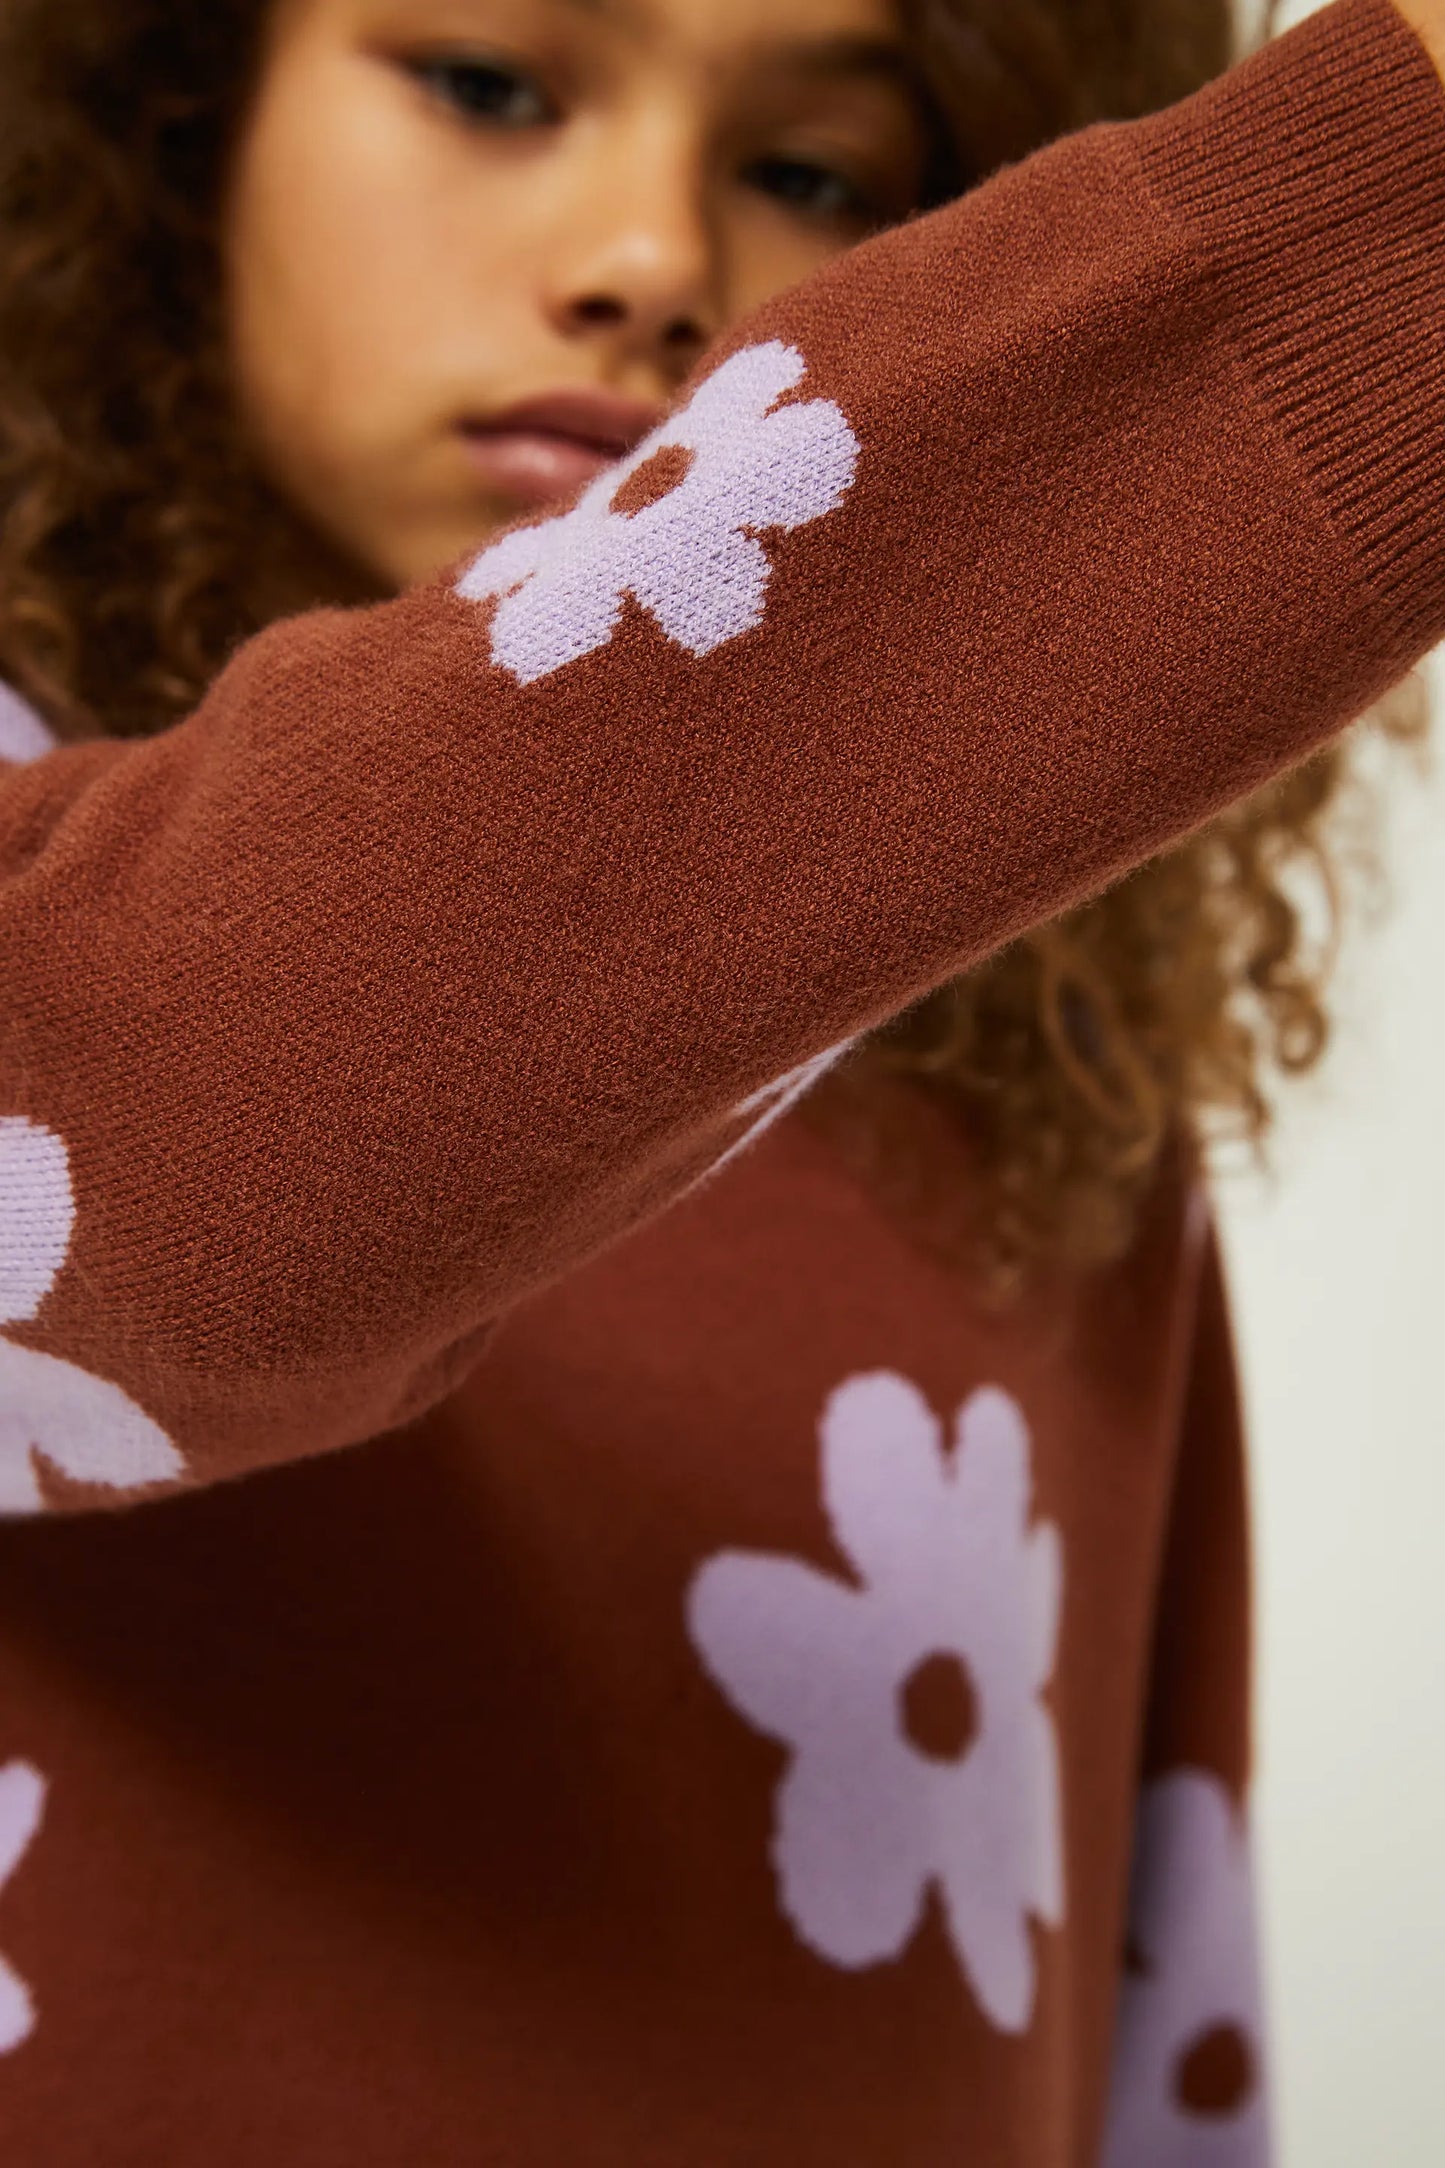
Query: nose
(637,265)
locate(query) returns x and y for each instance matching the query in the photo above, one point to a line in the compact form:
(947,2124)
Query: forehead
(731,27)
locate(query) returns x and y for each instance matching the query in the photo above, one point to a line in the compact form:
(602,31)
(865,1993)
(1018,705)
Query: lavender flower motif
(1187,2086)
(49,1408)
(675,524)
(921,1751)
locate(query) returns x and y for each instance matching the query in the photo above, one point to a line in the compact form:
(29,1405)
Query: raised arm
(449,939)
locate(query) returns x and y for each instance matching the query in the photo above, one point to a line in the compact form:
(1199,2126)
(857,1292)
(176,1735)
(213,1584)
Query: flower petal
(1192,1887)
(736,395)
(23,736)
(851,1848)
(22,1796)
(992,1465)
(17,2011)
(884,1476)
(1041,1600)
(999,1857)
(510,561)
(703,583)
(800,465)
(87,1426)
(788,1646)
(991,1935)
(20,1490)
(987,1919)
(37,1213)
(570,608)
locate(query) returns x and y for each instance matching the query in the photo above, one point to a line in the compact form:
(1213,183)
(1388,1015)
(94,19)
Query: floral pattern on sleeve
(675,524)
(1187,2088)
(51,1409)
(23,736)
(920,1750)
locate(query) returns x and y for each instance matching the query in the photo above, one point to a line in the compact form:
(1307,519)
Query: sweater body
(713,1734)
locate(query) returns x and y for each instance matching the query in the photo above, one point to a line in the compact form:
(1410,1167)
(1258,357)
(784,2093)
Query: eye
(816,190)
(492,91)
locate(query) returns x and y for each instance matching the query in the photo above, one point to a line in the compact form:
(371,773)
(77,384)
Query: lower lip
(531,467)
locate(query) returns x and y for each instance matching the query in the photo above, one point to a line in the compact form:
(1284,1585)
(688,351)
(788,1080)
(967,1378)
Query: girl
(577,1035)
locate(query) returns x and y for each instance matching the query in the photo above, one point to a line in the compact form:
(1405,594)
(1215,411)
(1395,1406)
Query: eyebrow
(616,10)
(845,55)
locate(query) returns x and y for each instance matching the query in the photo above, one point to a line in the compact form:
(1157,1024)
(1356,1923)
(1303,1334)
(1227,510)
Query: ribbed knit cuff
(1315,176)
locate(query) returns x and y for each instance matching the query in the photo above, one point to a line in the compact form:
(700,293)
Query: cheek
(767,253)
(339,262)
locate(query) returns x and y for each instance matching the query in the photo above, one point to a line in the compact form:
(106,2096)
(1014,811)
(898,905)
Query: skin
(1427,19)
(438,208)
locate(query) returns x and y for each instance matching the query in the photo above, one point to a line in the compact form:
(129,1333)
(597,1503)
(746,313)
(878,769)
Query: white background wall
(1339,1293)
(1338,1280)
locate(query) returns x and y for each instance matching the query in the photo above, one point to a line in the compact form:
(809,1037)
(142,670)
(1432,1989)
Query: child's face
(442,208)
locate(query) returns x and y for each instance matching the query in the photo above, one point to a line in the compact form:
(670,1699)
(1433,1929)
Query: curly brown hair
(139,546)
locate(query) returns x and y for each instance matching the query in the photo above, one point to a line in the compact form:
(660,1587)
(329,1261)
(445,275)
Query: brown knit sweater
(701,1717)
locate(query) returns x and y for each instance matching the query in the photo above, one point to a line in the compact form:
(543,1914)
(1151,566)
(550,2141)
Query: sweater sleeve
(449,939)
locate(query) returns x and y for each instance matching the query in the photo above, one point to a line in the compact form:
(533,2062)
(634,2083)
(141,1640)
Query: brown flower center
(1215,2074)
(939,1707)
(655,479)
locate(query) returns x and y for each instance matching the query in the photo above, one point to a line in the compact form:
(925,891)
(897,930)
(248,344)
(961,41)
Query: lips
(547,447)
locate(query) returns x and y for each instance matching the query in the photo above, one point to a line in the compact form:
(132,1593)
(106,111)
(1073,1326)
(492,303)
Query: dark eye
(817,191)
(486,90)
